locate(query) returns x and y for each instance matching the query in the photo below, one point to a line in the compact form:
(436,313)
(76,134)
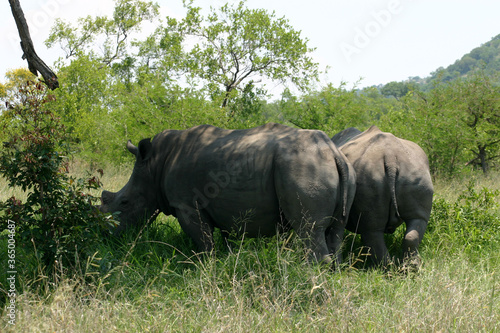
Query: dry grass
(451,188)
(113,179)
(263,285)
(446,295)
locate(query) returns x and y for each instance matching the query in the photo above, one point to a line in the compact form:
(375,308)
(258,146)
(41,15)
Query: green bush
(58,220)
(469,226)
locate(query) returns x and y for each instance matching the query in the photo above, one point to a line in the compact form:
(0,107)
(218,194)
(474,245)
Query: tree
(113,33)
(428,119)
(83,103)
(10,96)
(235,45)
(395,89)
(15,79)
(35,64)
(456,122)
(480,102)
(332,109)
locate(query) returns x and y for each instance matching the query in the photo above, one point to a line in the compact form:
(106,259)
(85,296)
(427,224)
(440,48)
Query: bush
(58,220)
(471,225)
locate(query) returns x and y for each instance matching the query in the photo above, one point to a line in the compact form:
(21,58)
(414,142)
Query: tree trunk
(35,64)
(484,161)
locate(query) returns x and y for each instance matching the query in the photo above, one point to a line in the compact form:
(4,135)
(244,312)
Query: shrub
(58,220)
(471,225)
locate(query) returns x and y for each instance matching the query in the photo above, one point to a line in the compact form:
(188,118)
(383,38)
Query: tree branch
(35,64)
(295,124)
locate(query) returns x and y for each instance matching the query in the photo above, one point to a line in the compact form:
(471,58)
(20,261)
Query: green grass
(151,280)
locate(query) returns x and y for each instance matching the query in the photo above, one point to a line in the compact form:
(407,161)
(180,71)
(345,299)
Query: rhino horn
(131,148)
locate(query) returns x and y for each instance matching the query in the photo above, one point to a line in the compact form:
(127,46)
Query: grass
(156,283)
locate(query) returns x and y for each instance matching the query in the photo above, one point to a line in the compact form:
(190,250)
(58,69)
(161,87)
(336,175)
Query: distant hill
(485,57)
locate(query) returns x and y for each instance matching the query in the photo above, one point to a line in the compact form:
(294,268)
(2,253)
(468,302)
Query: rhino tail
(392,171)
(343,169)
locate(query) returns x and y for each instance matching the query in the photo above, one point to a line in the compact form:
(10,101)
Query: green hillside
(485,57)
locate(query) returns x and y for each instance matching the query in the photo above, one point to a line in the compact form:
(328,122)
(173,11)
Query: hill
(485,57)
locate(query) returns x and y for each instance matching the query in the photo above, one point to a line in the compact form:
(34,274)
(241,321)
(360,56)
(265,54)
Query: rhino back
(393,179)
(228,172)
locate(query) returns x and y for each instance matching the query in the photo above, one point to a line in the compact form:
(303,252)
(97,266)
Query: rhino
(393,185)
(249,181)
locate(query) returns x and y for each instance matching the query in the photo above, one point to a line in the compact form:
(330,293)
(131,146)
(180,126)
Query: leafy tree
(113,33)
(466,64)
(150,107)
(457,123)
(15,79)
(132,93)
(248,105)
(428,120)
(395,89)
(333,109)
(9,96)
(235,45)
(84,102)
(480,102)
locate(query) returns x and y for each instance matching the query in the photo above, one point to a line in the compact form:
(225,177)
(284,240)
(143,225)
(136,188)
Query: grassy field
(152,281)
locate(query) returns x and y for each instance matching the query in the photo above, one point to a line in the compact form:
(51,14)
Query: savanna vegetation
(60,148)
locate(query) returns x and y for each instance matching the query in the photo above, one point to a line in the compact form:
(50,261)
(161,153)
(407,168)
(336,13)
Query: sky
(370,42)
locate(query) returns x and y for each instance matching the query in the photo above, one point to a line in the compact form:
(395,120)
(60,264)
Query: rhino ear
(131,148)
(145,149)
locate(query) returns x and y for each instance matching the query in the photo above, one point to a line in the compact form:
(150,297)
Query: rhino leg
(199,227)
(314,239)
(415,229)
(375,242)
(334,239)
(312,231)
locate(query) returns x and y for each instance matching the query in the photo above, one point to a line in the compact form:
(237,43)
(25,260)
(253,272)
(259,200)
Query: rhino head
(136,201)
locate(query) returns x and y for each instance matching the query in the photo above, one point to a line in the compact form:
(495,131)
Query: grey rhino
(209,177)
(393,184)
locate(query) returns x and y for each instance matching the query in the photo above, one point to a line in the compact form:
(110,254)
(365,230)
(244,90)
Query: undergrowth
(150,279)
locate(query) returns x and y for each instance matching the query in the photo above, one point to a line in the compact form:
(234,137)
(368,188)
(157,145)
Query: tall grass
(155,282)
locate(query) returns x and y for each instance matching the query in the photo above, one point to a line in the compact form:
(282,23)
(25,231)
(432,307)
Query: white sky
(379,40)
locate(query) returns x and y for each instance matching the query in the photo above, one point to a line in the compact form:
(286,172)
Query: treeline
(215,69)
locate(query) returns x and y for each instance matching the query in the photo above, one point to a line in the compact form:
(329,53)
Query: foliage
(471,224)
(182,74)
(460,120)
(15,79)
(235,44)
(58,220)
(106,100)
(479,100)
(83,103)
(102,113)
(333,109)
(395,89)
(112,33)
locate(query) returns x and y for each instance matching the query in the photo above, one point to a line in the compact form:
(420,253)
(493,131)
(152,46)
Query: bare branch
(35,64)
